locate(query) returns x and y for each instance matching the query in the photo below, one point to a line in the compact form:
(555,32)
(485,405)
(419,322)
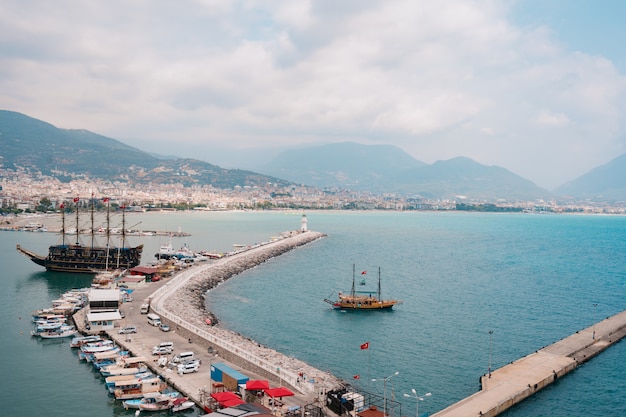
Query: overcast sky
(539,89)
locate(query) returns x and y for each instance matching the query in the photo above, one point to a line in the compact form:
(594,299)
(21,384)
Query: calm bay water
(532,279)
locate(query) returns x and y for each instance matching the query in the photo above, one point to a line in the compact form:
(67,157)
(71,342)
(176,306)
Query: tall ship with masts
(361,300)
(90,259)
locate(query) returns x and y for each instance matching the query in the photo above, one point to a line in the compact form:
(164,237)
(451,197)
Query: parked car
(162,350)
(183,357)
(164,327)
(190,362)
(188,368)
(128,330)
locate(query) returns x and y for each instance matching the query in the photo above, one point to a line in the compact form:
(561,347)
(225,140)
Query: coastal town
(21,192)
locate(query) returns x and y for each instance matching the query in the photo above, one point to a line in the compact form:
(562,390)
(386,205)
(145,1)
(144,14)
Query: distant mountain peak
(32,144)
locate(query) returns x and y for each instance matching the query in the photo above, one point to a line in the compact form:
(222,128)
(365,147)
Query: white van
(166,345)
(183,357)
(145,307)
(154,320)
(163,348)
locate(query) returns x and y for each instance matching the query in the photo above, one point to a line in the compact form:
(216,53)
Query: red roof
(227,398)
(231,403)
(257,384)
(220,397)
(278,392)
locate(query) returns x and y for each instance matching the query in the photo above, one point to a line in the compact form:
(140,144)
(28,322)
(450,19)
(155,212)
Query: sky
(537,87)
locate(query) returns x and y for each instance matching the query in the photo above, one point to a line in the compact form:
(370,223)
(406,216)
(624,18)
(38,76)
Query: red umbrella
(220,397)
(231,403)
(257,384)
(278,392)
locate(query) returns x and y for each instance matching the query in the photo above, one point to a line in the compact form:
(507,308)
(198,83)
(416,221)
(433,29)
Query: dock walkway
(519,380)
(212,344)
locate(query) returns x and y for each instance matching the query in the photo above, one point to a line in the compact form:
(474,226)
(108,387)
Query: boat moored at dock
(137,388)
(90,259)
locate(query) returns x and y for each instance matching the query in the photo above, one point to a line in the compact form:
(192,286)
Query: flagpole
(366,346)
(369,372)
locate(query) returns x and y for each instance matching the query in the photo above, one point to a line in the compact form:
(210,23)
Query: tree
(44,205)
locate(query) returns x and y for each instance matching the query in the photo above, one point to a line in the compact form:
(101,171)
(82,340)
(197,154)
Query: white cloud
(437,79)
(548,118)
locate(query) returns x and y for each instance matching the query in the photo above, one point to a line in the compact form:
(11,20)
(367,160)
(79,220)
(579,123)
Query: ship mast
(62,208)
(379,298)
(93,233)
(76,200)
(123,208)
(108,231)
(124,226)
(353,292)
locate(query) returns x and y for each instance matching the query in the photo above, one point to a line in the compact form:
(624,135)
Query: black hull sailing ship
(88,259)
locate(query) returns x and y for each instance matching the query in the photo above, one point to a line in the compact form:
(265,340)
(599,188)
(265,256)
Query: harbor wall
(179,301)
(513,383)
(181,305)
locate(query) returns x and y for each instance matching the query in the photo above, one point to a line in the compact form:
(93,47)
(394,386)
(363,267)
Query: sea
(478,290)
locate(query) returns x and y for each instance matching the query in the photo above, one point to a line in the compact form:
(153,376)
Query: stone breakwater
(184,304)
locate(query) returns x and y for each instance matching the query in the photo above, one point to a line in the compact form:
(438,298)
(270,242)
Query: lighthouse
(303,223)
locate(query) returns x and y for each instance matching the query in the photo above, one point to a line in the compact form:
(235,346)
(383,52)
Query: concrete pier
(179,303)
(519,380)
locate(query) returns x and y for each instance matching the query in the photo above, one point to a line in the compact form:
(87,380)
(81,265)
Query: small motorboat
(180,404)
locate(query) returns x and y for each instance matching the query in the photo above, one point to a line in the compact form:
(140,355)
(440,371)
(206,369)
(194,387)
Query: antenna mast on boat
(379,297)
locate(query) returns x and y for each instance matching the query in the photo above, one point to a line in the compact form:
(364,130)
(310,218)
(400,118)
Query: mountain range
(34,145)
(30,144)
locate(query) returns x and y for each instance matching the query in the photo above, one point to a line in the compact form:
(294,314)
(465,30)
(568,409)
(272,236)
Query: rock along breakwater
(182,303)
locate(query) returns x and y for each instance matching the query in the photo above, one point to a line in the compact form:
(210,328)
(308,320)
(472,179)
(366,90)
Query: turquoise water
(532,279)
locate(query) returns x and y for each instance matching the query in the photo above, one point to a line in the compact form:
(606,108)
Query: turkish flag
(364,272)
(105,199)
(76,199)
(365,345)
(62,206)
(357,376)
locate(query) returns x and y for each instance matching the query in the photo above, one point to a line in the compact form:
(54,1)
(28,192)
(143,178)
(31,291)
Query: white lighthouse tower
(303,223)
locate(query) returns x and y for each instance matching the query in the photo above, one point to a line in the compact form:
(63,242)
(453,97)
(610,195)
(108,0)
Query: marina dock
(190,332)
(519,380)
